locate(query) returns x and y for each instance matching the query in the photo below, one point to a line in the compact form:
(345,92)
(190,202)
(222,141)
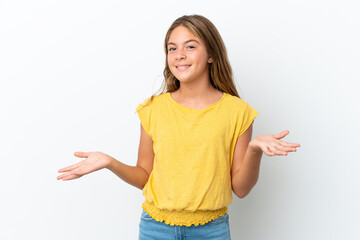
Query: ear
(210,60)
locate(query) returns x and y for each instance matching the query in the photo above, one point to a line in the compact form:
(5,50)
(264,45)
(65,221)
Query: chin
(185,80)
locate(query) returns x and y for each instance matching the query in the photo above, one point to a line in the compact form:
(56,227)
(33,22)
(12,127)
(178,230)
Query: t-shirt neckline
(191,109)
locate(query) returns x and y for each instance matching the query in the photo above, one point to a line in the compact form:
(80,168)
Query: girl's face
(187,56)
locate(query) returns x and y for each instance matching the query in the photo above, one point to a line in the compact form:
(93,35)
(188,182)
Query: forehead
(182,34)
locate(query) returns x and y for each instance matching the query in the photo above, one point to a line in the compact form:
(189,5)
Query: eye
(171,49)
(191,47)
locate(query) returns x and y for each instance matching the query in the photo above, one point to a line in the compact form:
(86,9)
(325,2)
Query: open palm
(271,144)
(94,161)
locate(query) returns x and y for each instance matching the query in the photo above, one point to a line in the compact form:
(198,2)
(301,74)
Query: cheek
(171,64)
(169,60)
(200,58)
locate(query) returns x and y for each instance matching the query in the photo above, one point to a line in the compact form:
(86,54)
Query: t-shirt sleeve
(246,117)
(144,113)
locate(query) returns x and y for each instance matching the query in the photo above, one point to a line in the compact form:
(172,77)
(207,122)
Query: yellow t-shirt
(190,182)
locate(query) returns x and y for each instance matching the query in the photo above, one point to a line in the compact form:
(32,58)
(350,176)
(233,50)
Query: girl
(195,143)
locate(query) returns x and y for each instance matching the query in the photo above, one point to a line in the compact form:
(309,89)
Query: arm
(247,158)
(245,166)
(133,175)
(138,175)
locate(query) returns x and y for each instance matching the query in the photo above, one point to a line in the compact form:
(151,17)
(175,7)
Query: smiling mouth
(183,67)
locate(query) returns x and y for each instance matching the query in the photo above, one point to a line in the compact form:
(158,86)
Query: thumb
(81,154)
(281,134)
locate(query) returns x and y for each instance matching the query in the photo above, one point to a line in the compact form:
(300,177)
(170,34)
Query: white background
(73,72)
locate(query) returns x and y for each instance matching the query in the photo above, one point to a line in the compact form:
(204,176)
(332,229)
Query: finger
(277,151)
(281,134)
(289,144)
(70,177)
(81,154)
(61,176)
(267,151)
(69,168)
(285,148)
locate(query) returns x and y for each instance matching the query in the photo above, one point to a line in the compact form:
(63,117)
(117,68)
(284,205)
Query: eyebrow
(190,40)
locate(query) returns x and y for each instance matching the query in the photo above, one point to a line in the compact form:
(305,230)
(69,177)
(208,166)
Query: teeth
(183,67)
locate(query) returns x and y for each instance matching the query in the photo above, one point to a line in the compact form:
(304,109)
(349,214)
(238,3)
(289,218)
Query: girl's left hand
(271,144)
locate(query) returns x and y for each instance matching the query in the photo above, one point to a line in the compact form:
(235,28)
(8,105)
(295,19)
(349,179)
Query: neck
(196,89)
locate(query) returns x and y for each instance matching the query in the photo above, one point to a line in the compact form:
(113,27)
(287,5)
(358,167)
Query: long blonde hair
(220,71)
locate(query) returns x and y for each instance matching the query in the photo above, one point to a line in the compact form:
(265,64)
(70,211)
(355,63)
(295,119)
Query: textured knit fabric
(150,229)
(190,182)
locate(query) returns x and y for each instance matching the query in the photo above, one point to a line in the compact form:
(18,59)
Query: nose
(180,54)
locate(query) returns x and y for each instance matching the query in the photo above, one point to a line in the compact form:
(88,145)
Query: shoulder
(236,102)
(151,101)
(239,107)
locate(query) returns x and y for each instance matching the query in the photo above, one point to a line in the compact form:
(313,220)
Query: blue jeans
(150,229)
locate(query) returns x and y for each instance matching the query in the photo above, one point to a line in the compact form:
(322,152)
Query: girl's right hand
(94,161)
